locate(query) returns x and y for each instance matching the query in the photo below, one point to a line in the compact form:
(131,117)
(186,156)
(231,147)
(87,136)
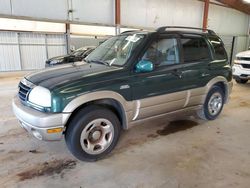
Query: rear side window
(195,49)
(219,50)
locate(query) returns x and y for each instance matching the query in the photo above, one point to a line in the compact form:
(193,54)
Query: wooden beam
(237,4)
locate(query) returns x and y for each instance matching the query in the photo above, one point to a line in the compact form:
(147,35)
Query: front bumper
(38,123)
(240,72)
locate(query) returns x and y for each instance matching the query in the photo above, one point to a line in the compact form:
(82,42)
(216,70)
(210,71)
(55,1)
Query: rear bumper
(229,91)
(38,123)
(230,87)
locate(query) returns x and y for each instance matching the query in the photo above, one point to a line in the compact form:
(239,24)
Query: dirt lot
(181,154)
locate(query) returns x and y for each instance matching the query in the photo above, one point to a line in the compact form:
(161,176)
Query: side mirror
(144,66)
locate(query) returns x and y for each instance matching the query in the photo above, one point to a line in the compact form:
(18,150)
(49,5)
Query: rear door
(197,56)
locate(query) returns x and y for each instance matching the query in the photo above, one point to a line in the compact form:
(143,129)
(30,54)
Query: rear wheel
(213,104)
(92,133)
(241,81)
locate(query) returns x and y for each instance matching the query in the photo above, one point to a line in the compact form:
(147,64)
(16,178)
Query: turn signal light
(55,130)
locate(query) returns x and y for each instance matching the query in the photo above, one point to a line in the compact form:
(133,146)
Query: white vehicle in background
(241,67)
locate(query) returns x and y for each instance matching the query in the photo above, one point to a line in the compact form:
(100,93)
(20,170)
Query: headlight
(237,61)
(40,96)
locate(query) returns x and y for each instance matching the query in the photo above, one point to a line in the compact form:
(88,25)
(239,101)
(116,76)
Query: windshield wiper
(98,62)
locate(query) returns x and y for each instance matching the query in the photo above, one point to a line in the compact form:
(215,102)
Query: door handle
(177,73)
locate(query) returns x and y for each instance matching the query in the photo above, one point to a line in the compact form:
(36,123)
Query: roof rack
(128,31)
(162,29)
(134,30)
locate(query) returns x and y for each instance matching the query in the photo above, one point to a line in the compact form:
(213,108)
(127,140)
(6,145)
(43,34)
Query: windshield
(116,50)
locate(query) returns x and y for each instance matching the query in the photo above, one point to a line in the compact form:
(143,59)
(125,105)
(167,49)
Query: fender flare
(125,106)
(221,79)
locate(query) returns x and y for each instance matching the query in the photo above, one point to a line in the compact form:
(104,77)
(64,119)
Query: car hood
(54,77)
(244,54)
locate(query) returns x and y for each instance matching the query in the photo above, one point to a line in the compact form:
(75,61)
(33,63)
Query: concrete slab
(188,153)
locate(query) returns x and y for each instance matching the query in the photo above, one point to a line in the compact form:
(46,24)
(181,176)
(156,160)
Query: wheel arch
(223,83)
(111,100)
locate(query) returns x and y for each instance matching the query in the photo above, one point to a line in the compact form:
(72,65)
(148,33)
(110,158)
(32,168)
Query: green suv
(129,78)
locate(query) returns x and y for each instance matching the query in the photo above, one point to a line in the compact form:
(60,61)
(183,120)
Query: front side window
(195,49)
(219,50)
(163,52)
(116,50)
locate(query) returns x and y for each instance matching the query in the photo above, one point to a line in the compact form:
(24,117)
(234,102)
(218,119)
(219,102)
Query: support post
(248,34)
(46,46)
(232,51)
(117,17)
(205,14)
(19,50)
(68,37)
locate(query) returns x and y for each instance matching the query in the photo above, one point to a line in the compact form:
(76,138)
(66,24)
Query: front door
(160,90)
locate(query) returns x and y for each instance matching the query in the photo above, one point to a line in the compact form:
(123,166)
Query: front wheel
(213,104)
(92,133)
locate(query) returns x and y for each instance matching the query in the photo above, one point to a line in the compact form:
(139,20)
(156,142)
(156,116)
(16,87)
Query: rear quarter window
(195,49)
(218,48)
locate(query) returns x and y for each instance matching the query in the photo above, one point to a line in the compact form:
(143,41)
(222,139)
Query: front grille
(23,91)
(244,58)
(246,66)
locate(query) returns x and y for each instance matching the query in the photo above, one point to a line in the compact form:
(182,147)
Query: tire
(241,81)
(92,133)
(213,105)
